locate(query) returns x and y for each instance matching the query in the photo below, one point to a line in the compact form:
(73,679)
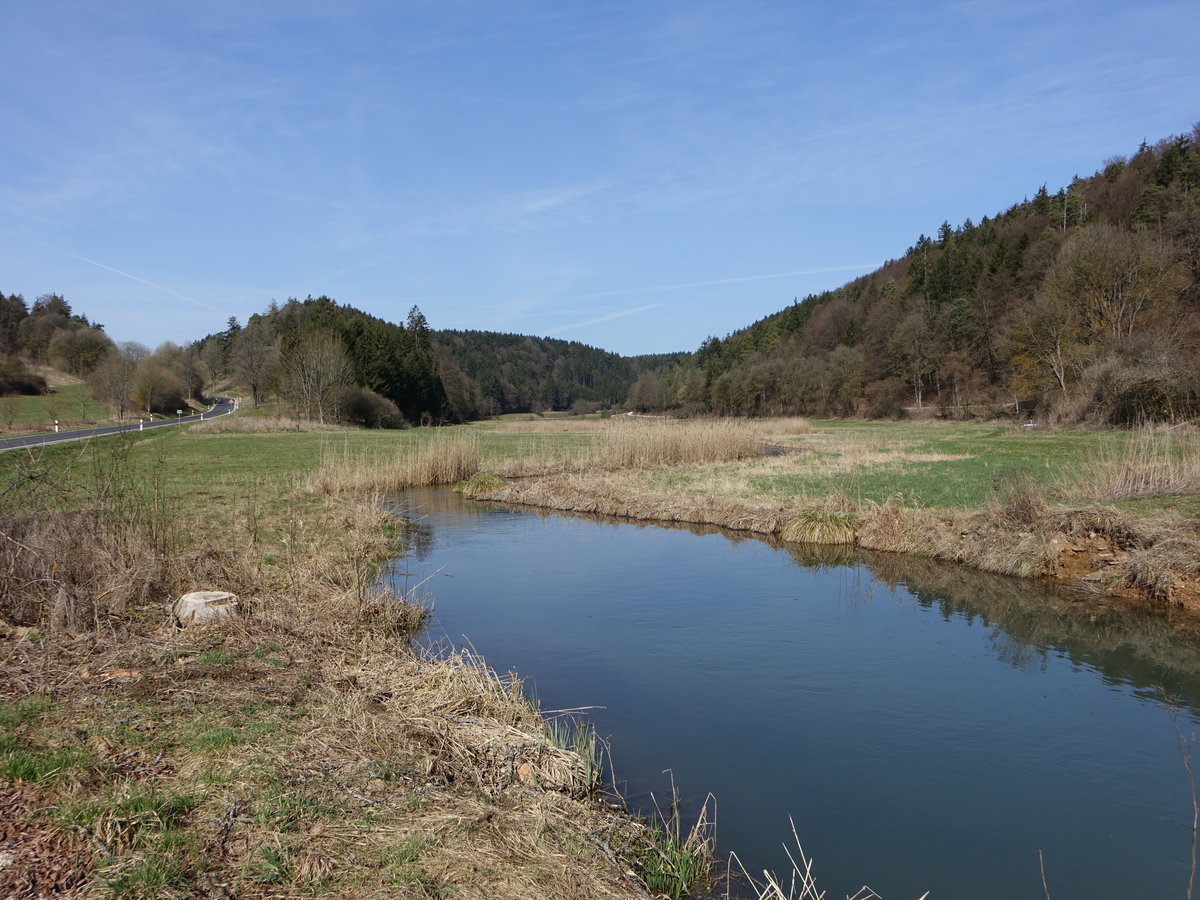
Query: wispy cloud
(157,287)
(741,278)
(620,314)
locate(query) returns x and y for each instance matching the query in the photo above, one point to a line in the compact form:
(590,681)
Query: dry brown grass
(1152,463)
(800,883)
(620,495)
(443,456)
(312,752)
(264,425)
(640,443)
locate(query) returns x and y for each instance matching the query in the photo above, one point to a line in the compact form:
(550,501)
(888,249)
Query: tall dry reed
(443,456)
(1151,463)
(642,443)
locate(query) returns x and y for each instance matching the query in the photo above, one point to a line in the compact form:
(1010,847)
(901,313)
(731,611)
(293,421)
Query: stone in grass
(205,608)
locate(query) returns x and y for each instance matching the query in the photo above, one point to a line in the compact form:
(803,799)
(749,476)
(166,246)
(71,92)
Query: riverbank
(1113,514)
(302,749)
(306,750)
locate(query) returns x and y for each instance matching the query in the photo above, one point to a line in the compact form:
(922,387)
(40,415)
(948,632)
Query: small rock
(1094,578)
(205,608)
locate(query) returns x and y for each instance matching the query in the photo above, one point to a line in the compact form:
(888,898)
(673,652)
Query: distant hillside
(1082,305)
(333,361)
(486,373)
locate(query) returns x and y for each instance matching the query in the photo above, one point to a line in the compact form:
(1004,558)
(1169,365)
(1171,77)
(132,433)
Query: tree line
(329,361)
(128,377)
(1082,305)
(323,361)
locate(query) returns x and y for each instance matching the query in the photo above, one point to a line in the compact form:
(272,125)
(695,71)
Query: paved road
(222,407)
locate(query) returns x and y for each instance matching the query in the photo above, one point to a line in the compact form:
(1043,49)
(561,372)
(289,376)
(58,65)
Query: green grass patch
(218,657)
(269,865)
(20,761)
(70,402)
(13,715)
(223,737)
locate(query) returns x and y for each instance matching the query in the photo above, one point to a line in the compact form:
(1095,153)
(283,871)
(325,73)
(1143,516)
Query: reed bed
(444,456)
(663,443)
(1150,464)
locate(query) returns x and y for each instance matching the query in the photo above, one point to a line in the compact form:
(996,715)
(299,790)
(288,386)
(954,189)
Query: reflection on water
(928,727)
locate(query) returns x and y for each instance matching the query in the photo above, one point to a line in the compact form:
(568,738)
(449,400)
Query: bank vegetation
(1107,512)
(303,748)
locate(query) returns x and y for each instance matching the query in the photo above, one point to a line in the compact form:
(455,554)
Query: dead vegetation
(303,749)
(264,425)
(1152,463)
(444,456)
(447,456)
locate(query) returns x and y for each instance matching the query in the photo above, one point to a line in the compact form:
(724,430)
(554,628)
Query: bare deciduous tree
(313,371)
(254,358)
(1114,280)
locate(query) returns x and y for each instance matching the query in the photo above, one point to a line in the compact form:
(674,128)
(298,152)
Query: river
(927,728)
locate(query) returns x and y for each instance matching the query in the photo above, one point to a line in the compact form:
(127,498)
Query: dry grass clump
(819,526)
(1150,464)
(639,443)
(264,425)
(787,426)
(469,724)
(800,883)
(1017,498)
(894,528)
(443,456)
(1125,532)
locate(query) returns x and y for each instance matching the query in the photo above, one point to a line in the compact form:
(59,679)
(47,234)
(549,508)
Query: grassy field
(930,465)
(70,401)
(306,751)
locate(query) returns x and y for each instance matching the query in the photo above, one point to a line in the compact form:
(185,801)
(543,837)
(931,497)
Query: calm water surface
(926,727)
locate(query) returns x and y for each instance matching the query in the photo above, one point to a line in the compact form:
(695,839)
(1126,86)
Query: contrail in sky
(692,284)
(615,315)
(157,287)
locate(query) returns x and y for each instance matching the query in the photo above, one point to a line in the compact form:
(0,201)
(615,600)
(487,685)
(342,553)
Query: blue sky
(632,175)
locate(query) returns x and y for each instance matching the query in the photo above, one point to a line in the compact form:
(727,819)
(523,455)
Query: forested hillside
(1078,305)
(1081,304)
(486,373)
(335,362)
